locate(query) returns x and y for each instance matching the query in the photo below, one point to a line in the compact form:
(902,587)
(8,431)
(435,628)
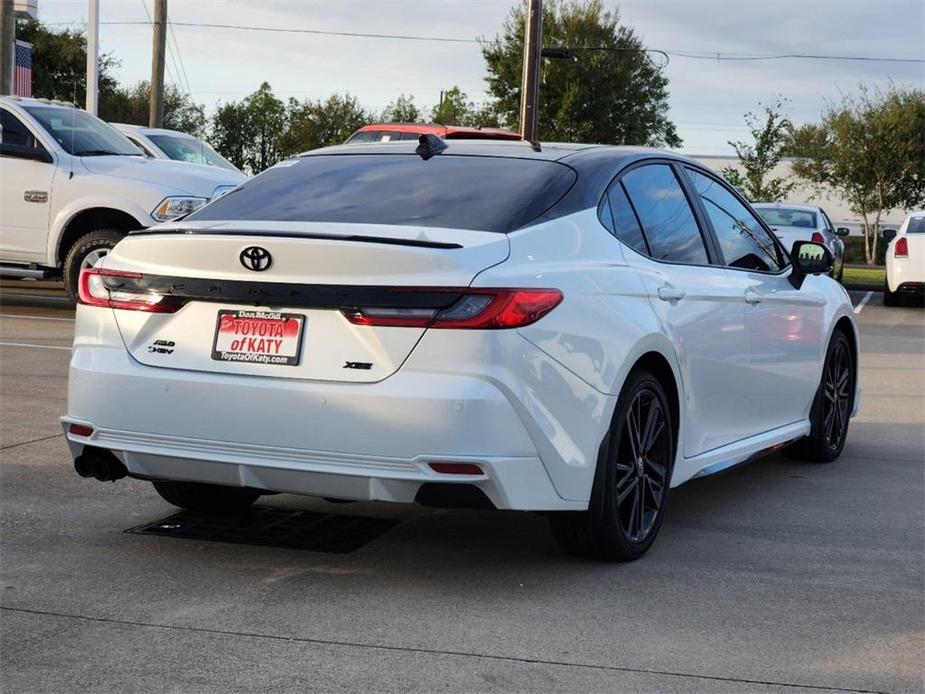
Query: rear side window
(622,220)
(744,242)
(497,194)
(666,216)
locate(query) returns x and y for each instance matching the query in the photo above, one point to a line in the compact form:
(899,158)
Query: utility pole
(7,45)
(93,57)
(156,112)
(529,90)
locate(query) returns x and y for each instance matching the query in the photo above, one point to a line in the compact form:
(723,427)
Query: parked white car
(792,222)
(905,259)
(71,187)
(571,330)
(161,143)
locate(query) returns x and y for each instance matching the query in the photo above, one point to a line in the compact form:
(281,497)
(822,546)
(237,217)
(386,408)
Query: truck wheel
(211,498)
(84,253)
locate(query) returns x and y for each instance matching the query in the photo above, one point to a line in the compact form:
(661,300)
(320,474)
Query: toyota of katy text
(567,329)
(71,186)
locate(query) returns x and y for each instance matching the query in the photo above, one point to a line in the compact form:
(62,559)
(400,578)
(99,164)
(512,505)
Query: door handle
(669,293)
(752,296)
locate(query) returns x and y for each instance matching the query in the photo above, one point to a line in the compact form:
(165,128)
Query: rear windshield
(916,226)
(457,192)
(784,217)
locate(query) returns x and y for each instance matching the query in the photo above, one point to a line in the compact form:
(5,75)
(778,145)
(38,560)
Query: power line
(703,55)
(180,58)
(694,55)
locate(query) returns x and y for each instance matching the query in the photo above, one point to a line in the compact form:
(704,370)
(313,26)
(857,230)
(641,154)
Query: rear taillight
(99,287)
(817,238)
(475,309)
(902,247)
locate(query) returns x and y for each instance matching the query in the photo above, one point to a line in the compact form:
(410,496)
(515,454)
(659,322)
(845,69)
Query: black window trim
(784,255)
(706,233)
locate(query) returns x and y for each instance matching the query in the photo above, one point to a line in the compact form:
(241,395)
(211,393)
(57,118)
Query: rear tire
(890,298)
(211,498)
(631,482)
(832,406)
(84,253)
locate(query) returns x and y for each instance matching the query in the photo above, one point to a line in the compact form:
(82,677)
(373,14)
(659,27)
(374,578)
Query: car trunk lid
(294,304)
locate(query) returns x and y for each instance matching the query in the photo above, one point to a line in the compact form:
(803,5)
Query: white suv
(71,187)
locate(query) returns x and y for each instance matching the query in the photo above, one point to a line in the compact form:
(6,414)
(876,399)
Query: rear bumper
(352,441)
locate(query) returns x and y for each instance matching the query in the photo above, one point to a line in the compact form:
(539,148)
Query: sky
(708,98)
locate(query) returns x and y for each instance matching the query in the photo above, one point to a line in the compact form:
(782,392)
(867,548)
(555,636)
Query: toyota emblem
(256,258)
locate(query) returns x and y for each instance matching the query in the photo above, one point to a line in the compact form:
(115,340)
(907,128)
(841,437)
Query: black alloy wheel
(831,410)
(836,395)
(631,481)
(642,464)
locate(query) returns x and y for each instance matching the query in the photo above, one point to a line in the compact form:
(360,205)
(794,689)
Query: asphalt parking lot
(778,576)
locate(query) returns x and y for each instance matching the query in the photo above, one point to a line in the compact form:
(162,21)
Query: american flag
(22,80)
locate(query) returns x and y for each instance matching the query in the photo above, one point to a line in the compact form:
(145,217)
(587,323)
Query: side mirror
(842,231)
(889,235)
(24,152)
(809,258)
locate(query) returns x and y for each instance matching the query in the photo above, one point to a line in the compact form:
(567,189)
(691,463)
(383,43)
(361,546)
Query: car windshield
(787,217)
(189,149)
(458,192)
(916,225)
(81,134)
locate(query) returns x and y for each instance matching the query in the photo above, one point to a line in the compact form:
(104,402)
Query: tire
(85,252)
(210,498)
(890,298)
(831,411)
(628,498)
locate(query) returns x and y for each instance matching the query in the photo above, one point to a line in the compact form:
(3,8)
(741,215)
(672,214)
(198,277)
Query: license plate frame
(276,320)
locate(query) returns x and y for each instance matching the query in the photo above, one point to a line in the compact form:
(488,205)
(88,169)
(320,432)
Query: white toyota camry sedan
(568,329)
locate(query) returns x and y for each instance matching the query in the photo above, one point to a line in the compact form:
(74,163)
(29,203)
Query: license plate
(258,337)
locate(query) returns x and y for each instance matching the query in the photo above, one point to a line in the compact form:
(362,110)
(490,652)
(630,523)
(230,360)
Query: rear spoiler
(356,238)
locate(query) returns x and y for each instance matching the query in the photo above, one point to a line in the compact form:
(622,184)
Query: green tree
(609,92)
(454,109)
(249,133)
(771,135)
(228,132)
(402,110)
(59,63)
(869,148)
(132,104)
(314,124)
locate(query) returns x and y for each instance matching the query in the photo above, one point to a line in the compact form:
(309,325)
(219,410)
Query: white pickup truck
(71,186)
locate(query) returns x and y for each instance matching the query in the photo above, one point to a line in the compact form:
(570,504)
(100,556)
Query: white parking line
(10,315)
(860,306)
(26,344)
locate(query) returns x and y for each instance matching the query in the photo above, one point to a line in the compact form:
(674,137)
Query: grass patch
(864,274)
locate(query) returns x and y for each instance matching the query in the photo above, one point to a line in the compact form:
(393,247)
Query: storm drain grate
(273,527)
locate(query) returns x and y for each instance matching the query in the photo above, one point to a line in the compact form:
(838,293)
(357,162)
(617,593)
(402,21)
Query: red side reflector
(456,468)
(902,247)
(80,430)
(817,238)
